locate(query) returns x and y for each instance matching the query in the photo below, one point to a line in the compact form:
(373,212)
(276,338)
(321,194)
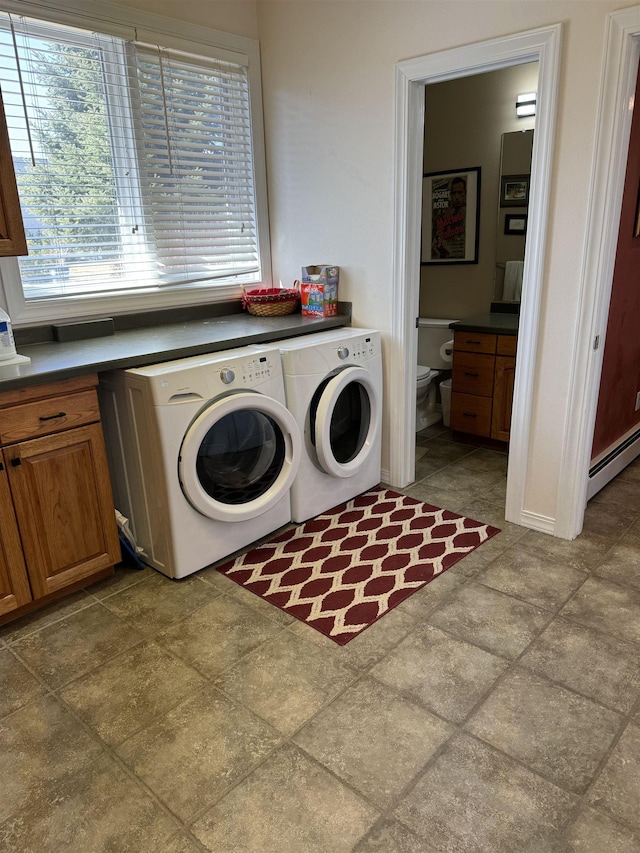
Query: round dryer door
(345,415)
(239,457)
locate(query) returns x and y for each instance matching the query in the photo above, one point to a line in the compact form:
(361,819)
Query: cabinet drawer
(473,374)
(474,342)
(507,344)
(471,414)
(47,416)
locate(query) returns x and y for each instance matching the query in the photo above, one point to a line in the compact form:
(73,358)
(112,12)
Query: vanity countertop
(53,360)
(492,323)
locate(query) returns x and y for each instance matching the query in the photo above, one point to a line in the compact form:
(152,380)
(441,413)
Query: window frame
(188,38)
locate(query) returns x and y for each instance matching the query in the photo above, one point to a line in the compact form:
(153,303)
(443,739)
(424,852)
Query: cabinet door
(14,584)
(12,239)
(503,397)
(64,508)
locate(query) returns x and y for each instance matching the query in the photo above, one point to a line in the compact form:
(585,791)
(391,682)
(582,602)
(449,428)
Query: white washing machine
(202,453)
(333,383)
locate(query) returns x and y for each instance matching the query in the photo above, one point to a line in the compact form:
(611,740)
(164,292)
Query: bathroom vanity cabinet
(57,520)
(482,383)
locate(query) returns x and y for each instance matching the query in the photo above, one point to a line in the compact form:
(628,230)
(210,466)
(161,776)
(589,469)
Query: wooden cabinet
(12,236)
(57,521)
(15,590)
(482,384)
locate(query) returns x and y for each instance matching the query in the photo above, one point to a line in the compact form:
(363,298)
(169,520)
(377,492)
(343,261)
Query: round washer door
(239,457)
(346,421)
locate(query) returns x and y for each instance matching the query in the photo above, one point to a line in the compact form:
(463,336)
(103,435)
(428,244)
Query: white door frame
(541,45)
(610,162)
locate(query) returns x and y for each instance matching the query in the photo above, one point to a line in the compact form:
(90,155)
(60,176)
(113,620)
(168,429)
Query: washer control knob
(343,352)
(227,375)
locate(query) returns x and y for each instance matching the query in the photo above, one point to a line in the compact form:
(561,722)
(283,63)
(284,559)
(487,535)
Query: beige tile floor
(497,710)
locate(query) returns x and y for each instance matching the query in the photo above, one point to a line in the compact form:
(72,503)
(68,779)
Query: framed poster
(514,190)
(451,216)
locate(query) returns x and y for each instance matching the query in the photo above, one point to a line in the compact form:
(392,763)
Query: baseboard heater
(615,461)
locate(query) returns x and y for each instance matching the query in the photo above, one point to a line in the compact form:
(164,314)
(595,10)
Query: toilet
(432,335)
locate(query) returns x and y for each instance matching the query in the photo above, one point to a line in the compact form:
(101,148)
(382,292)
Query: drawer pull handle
(471,374)
(477,343)
(17,461)
(469,415)
(51,417)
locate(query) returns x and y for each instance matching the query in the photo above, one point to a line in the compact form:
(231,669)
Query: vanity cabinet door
(507,345)
(14,584)
(64,508)
(503,397)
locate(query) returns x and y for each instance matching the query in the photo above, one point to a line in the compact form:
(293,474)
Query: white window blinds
(196,165)
(134,163)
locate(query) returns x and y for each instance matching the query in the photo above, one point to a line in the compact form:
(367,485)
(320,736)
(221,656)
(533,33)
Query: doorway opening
(477,171)
(541,46)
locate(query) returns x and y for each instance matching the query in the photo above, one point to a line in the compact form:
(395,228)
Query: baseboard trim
(613,464)
(534,521)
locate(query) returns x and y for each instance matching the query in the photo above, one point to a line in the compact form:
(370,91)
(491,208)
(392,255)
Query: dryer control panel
(254,370)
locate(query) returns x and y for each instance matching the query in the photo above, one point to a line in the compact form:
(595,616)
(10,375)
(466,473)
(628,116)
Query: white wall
(231,16)
(465,120)
(328,71)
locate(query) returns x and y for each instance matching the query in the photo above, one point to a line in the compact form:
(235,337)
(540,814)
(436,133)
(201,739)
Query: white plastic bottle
(7,344)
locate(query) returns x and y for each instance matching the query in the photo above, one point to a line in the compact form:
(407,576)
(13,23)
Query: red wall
(620,380)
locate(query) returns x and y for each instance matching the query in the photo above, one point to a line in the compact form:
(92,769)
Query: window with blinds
(134,163)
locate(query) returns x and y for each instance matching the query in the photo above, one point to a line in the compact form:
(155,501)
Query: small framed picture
(515,223)
(514,190)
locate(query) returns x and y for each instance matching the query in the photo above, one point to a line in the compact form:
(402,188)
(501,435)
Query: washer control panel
(202,377)
(359,349)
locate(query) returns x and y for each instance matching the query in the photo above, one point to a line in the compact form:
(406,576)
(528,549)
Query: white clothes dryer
(333,384)
(202,453)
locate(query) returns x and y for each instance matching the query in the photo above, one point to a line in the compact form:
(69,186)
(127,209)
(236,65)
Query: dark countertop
(492,323)
(54,360)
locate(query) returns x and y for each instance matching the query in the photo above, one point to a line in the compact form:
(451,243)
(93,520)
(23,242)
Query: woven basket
(270,301)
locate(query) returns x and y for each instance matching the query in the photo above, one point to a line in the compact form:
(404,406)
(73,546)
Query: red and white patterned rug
(343,570)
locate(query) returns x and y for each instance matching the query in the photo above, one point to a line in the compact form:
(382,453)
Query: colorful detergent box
(319,291)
